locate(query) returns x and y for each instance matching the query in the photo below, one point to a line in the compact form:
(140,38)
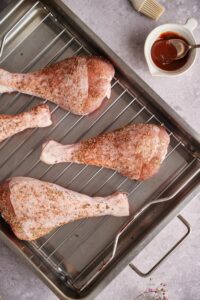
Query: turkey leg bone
(33,208)
(135,151)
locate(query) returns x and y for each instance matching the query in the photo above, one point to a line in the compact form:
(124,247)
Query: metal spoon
(182,47)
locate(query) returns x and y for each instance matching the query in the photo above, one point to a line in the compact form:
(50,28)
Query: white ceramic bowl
(185,31)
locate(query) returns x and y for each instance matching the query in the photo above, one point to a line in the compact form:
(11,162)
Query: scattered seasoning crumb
(156,293)
(86,205)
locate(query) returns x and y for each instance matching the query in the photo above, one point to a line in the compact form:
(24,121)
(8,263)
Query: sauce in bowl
(163,53)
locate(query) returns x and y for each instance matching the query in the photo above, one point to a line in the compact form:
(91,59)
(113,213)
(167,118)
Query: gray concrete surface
(125,31)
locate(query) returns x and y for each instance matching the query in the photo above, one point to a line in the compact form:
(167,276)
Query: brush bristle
(152,9)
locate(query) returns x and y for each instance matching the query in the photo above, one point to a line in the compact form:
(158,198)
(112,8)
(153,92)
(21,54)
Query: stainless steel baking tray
(74,260)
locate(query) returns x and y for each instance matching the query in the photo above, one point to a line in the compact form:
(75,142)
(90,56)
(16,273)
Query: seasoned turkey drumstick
(39,116)
(136,151)
(33,208)
(78,84)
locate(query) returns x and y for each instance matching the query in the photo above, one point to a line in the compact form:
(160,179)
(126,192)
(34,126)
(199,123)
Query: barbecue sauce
(163,53)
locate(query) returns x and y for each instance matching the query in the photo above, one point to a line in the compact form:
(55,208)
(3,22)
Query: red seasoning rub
(135,151)
(163,52)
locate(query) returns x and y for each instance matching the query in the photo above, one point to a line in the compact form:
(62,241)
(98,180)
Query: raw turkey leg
(38,116)
(33,207)
(78,84)
(136,151)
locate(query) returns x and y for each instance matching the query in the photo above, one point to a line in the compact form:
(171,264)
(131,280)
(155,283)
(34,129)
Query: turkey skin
(77,84)
(33,208)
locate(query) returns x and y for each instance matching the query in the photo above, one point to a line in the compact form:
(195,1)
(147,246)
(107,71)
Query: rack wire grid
(36,39)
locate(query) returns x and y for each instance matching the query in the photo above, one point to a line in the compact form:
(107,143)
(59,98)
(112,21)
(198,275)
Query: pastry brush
(150,8)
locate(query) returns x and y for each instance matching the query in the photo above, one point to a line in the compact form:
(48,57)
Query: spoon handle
(195,46)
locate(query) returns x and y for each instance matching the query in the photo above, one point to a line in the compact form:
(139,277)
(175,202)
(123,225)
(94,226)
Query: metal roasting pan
(79,259)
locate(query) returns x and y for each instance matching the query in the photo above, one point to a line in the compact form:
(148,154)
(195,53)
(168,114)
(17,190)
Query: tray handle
(146,274)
